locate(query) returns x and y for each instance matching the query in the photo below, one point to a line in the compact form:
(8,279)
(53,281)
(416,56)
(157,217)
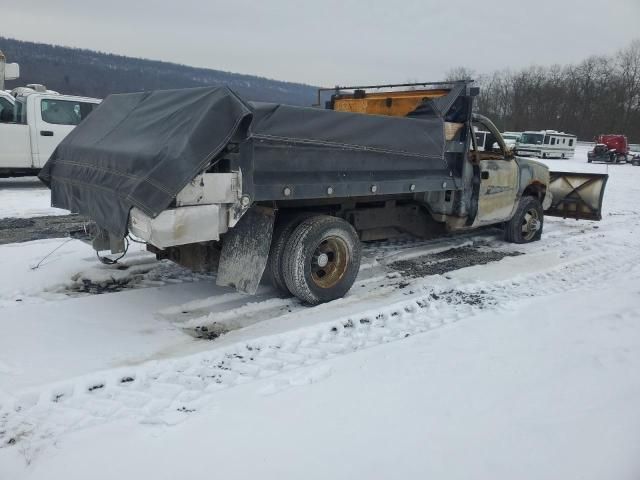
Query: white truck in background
(33,121)
(511,138)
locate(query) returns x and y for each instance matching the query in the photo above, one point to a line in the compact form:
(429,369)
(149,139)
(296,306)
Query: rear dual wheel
(319,258)
(285,226)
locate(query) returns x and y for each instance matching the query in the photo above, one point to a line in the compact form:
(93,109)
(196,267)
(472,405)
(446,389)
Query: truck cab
(610,148)
(33,123)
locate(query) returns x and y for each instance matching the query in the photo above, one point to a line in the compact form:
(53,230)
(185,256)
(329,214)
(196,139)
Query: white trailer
(546,144)
(33,124)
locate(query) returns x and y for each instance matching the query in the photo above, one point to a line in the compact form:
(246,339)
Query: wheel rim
(329,262)
(530,224)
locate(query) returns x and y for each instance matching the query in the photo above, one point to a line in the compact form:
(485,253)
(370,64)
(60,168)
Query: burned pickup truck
(217,183)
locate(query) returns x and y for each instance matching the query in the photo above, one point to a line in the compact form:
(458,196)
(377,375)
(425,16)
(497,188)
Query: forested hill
(95,74)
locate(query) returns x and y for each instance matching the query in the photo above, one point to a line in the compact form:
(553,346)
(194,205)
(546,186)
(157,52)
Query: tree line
(599,95)
(95,74)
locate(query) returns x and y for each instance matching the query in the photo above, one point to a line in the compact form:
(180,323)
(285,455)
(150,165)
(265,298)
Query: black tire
(521,228)
(589,160)
(323,259)
(285,225)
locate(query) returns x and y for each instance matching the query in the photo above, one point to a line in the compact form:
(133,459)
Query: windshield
(531,138)
(511,137)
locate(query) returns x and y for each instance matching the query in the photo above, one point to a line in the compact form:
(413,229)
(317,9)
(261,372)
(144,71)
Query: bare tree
(601,94)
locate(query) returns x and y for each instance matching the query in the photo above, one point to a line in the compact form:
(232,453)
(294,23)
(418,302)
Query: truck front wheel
(526,224)
(322,259)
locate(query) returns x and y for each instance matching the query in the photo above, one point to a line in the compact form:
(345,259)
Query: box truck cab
(33,123)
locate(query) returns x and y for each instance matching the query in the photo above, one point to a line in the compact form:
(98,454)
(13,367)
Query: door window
(487,141)
(64,112)
(6,111)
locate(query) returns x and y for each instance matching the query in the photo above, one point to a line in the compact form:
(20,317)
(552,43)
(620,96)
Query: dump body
(140,150)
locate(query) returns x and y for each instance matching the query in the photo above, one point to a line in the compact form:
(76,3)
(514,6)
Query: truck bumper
(179,226)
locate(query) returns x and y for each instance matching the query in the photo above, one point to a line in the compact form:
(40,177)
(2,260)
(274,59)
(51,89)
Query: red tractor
(610,149)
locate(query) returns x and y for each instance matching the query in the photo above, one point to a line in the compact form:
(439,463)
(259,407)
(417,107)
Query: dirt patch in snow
(449,260)
(119,277)
(457,297)
(210,332)
(14,230)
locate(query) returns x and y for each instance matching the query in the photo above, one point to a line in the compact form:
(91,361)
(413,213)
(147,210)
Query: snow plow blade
(576,195)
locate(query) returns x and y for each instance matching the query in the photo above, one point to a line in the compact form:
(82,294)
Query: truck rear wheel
(285,226)
(526,224)
(322,259)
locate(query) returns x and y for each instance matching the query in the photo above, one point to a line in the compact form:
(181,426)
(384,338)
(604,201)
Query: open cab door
(576,195)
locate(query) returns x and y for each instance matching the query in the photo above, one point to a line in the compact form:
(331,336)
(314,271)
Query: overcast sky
(333,42)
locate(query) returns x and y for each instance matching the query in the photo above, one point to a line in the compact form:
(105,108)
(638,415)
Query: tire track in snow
(166,392)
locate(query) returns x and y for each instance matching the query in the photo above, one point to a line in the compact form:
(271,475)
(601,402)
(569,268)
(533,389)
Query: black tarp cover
(141,149)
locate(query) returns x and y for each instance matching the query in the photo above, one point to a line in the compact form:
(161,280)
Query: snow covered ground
(25,197)
(524,367)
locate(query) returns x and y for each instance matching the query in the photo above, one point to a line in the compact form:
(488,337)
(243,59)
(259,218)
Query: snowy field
(25,198)
(526,367)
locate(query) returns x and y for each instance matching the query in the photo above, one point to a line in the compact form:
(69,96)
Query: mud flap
(245,249)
